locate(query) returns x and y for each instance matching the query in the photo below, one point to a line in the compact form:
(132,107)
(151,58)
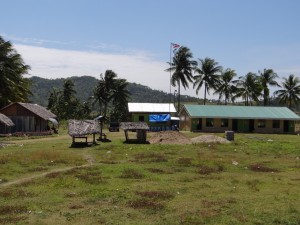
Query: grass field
(254,180)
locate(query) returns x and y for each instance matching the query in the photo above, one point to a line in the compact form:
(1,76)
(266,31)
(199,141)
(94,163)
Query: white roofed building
(156,115)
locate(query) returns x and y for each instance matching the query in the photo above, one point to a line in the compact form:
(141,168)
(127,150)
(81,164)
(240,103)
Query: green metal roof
(240,112)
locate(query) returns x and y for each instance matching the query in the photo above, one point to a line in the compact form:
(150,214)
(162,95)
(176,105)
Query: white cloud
(56,63)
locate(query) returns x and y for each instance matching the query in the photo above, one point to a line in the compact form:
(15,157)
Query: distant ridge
(85,85)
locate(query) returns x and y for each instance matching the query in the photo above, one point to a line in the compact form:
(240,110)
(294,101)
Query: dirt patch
(169,137)
(209,139)
(261,168)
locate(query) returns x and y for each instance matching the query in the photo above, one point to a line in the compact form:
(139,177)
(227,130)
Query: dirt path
(21,180)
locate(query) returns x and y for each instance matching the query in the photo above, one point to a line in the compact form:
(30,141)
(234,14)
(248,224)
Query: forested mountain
(85,85)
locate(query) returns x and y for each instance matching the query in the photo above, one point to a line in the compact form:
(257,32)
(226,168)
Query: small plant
(145,204)
(155,194)
(76,206)
(12,209)
(53,175)
(150,157)
(184,161)
(92,177)
(206,170)
(132,174)
(156,170)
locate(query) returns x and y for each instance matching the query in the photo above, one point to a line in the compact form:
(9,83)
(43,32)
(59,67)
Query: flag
(175,47)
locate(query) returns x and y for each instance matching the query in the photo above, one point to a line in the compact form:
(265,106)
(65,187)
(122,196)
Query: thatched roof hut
(39,110)
(29,118)
(140,128)
(81,128)
(6,121)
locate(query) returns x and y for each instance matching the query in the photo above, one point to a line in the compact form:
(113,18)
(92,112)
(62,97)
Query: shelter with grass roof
(139,127)
(29,118)
(220,118)
(5,124)
(80,129)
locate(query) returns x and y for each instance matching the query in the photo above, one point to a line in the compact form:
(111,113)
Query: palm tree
(182,67)
(13,87)
(291,91)
(208,74)
(267,77)
(110,90)
(104,90)
(226,86)
(120,101)
(249,88)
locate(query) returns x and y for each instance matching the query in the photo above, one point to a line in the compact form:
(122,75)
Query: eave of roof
(240,112)
(6,121)
(134,126)
(151,107)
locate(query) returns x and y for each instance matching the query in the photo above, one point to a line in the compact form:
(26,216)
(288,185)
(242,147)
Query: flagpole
(170,78)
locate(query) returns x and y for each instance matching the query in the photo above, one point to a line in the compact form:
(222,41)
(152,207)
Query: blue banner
(159,117)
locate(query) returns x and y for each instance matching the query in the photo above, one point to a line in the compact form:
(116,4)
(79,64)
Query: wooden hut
(79,129)
(5,124)
(28,118)
(140,128)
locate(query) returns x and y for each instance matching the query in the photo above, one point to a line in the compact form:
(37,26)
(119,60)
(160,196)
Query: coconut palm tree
(13,86)
(110,89)
(291,91)
(181,69)
(248,88)
(267,78)
(120,101)
(104,90)
(226,87)
(207,73)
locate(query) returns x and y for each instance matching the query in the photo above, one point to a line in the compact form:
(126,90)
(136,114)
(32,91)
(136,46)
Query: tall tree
(226,87)
(13,86)
(181,68)
(267,78)
(249,88)
(104,90)
(110,90)
(120,101)
(207,73)
(65,104)
(291,91)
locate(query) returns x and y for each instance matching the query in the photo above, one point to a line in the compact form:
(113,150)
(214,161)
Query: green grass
(254,180)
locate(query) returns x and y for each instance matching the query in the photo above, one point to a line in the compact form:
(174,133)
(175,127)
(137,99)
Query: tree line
(252,88)
(111,93)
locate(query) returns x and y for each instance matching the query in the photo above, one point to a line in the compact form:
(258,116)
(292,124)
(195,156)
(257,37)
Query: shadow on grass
(136,142)
(83,144)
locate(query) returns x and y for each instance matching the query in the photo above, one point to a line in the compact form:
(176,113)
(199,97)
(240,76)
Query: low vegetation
(254,180)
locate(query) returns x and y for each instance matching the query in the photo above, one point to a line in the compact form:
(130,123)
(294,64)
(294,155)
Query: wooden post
(94,138)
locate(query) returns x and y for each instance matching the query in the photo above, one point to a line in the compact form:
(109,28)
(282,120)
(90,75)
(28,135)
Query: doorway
(234,124)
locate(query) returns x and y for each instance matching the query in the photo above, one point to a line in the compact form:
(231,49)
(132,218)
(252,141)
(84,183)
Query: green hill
(85,85)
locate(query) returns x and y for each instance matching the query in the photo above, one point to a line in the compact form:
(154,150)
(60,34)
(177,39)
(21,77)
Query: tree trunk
(204,94)
(178,106)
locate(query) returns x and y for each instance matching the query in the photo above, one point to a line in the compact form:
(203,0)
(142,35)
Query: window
(224,122)
(261,124)
(141,118)
(276,123)
(209,122)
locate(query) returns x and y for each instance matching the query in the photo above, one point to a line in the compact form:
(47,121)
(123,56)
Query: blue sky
(62,38)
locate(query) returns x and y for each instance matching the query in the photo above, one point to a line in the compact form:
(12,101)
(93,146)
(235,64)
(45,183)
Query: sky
(63,38)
